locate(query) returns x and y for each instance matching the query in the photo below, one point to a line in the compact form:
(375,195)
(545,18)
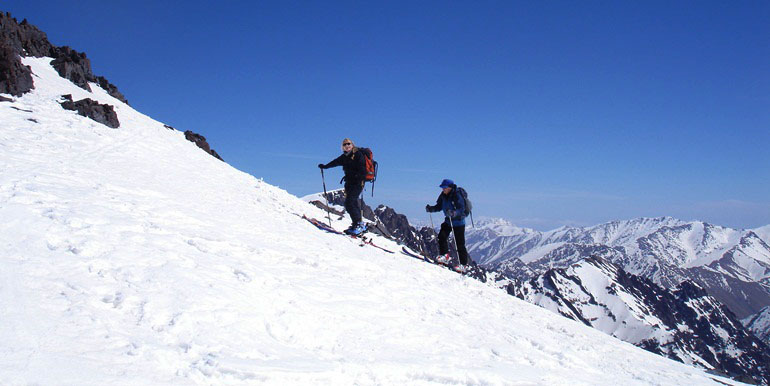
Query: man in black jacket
(354,166)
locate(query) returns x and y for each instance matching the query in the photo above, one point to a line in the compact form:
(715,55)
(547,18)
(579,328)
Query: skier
(453,206)
(354,166)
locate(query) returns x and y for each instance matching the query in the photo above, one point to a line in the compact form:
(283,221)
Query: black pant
(352,205)
(443,236)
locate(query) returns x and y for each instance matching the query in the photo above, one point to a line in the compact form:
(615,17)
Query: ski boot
(443,259)
(356,229)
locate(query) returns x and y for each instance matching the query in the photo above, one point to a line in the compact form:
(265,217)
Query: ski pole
(328,215)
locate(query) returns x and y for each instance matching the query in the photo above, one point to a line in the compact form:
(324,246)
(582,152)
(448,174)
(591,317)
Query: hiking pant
(352,204)
(443,236)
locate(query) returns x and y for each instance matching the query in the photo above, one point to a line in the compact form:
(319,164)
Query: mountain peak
(501,226)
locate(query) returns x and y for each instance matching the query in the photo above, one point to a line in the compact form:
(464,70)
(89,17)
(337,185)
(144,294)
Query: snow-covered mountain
(759,324)
(674,242)
(732,265)
(684,323)
(130,256)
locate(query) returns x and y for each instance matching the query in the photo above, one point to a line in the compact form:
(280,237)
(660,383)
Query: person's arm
(434,208)
(333,163)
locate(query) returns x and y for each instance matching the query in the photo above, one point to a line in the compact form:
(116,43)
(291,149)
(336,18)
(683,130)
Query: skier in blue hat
(453,205)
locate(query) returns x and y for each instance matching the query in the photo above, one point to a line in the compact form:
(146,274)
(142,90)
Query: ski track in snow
(129,256)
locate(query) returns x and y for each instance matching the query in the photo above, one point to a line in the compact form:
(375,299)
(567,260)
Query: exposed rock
(15,78)
(111,89)
(74,66)
(24,39)
(201,142)
(398,225)
(102,113)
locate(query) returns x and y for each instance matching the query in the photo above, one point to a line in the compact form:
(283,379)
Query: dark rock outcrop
(24,39)
(15,78)
(201,142)
(74,66)
(102,113)
(111,89)
(398,226)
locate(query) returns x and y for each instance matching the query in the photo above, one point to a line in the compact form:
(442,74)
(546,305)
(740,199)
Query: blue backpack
(468,204)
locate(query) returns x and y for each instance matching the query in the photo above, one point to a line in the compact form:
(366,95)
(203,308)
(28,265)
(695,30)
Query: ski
(422,257)
(371,243)
(363,240)
(322,226)
(411,254)
(429,260)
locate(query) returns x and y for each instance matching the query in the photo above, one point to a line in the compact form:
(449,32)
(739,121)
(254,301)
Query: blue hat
(446,183)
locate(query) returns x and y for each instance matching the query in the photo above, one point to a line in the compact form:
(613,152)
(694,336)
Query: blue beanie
(446,183)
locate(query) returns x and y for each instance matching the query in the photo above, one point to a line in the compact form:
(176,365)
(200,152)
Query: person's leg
(352,205)
(460,238)
(443,236)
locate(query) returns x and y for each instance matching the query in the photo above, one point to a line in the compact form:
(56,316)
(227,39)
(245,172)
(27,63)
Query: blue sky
(548,113)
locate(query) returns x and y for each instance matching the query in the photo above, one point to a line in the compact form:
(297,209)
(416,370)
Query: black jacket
(353,164)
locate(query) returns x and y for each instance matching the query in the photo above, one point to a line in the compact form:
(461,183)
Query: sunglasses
(347,144)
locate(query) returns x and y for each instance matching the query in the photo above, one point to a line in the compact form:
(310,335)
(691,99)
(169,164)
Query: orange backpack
(371,164)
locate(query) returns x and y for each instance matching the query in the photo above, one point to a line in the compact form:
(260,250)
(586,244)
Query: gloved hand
(451,213)
(427,208)
(321,166)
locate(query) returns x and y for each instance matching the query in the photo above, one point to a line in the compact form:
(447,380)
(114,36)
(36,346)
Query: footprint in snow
(242,276)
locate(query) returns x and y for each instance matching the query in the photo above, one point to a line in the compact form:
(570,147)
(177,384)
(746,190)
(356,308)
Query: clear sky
(549,113)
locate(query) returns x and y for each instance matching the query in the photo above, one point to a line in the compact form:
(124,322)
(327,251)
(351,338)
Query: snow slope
(129,256)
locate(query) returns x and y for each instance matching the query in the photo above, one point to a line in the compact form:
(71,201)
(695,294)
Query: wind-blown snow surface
(130,256)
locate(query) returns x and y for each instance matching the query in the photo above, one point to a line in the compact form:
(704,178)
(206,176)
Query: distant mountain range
(730,264)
